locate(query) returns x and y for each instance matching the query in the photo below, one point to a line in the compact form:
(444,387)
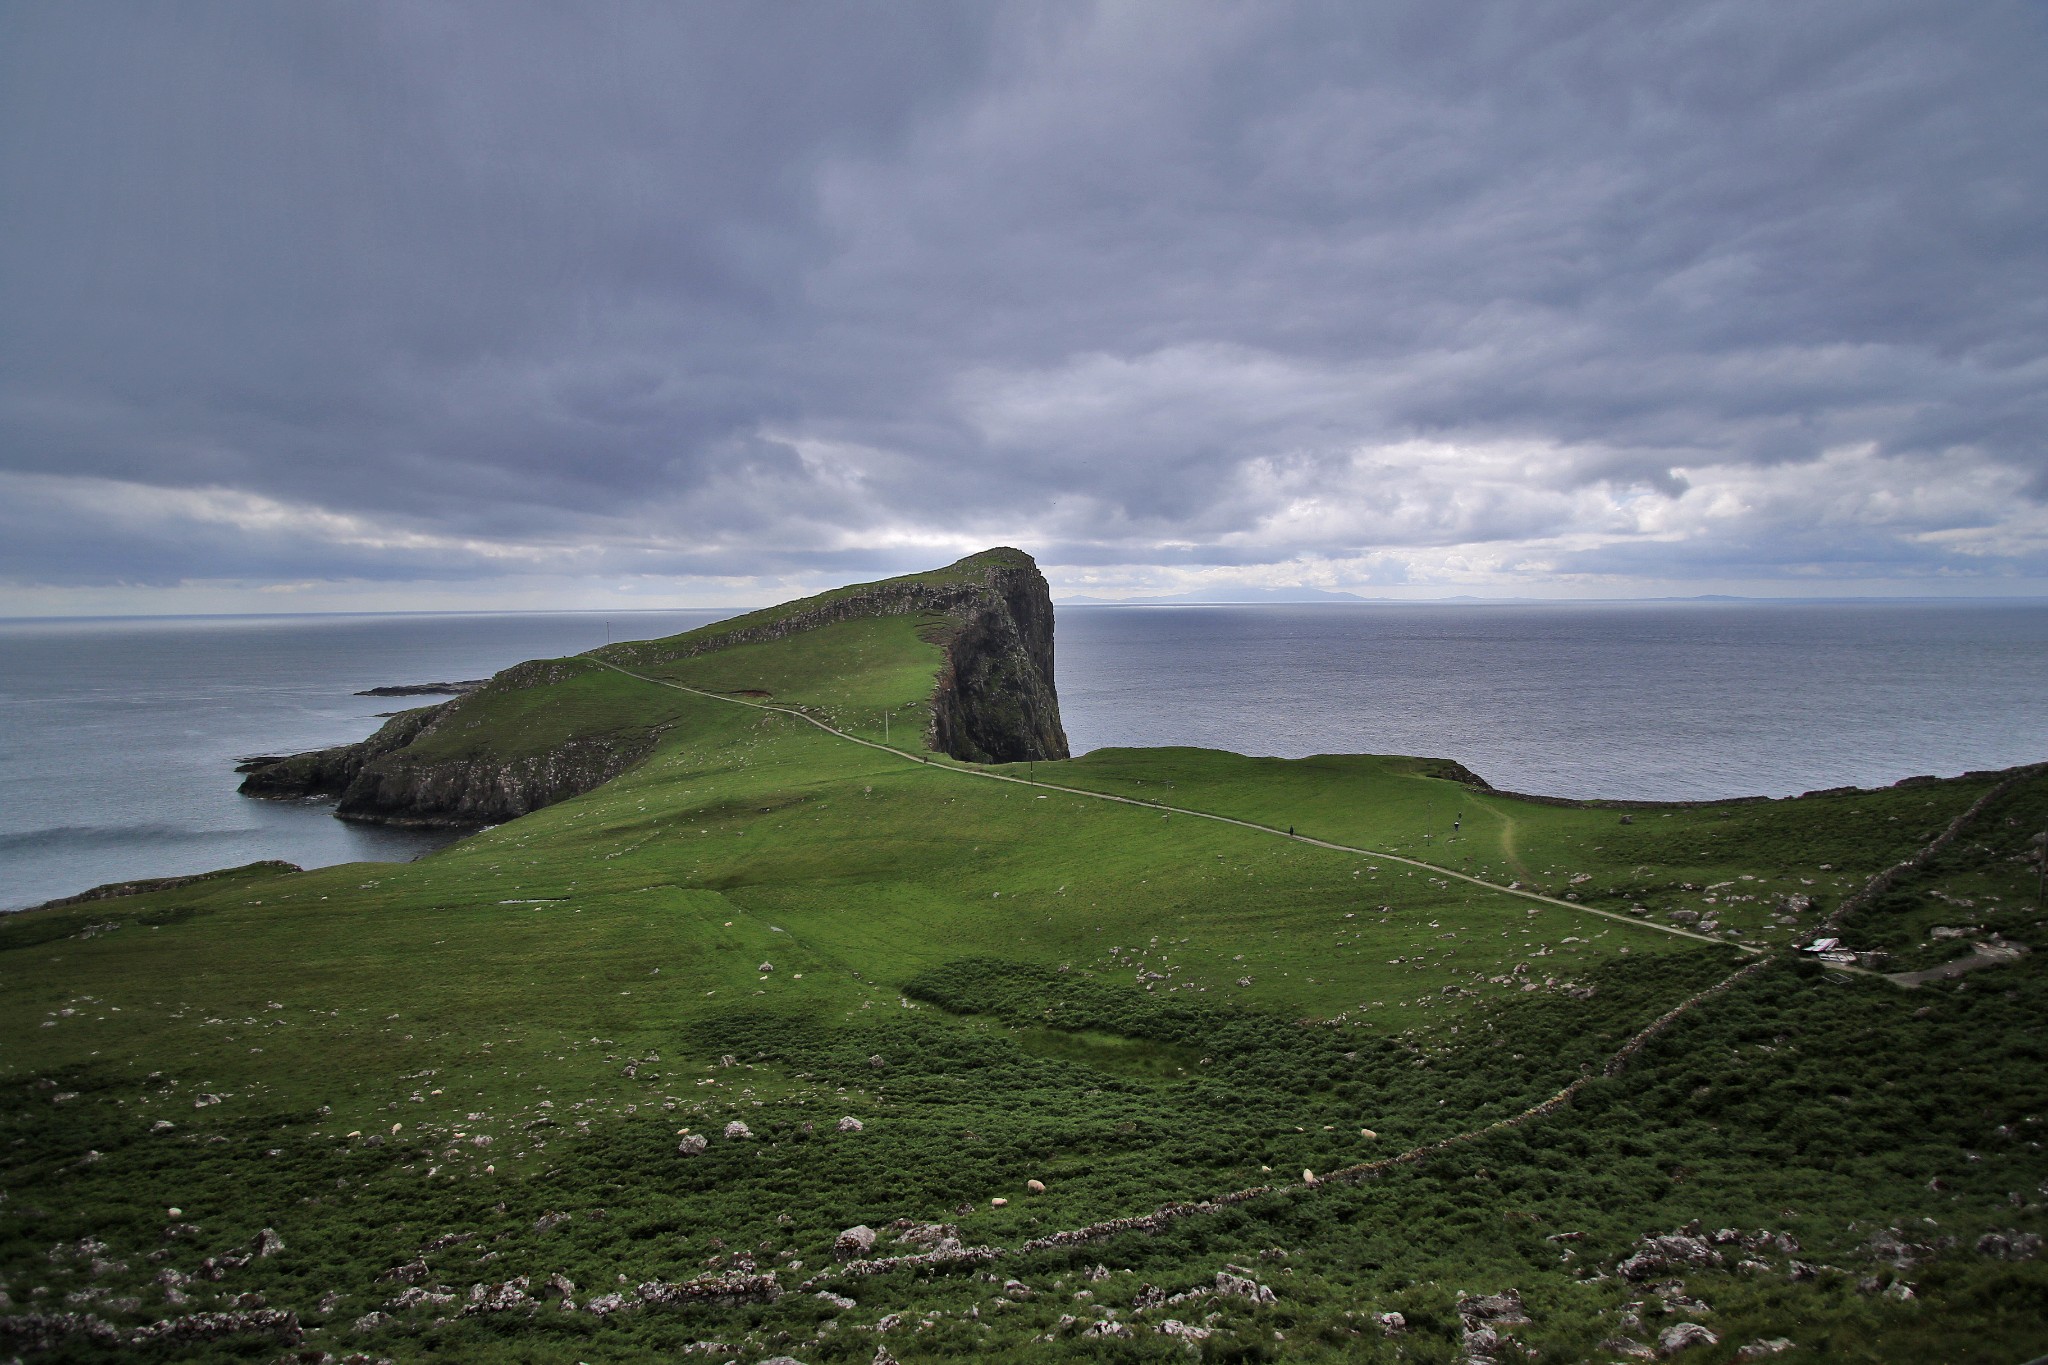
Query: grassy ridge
(764,923)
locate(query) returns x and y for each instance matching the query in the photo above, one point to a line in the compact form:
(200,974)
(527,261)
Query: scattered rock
(278,1322)
(1763,1347)
(854,1243)
(692,1145)
(2010,1245)
(947,1252)
(1243,1287)
(412,1272)
(548,1221)
(559,1286)
(1016,1289)
(1672,1340)
(268,1243)
(736,1129)
(1890,1247)
(850,1124)
(1174,1327)
(928,1234)
(733,1287)
(497,1298)
(1655,1255)
(1391,1323)
(1502,1309)
(839,1301)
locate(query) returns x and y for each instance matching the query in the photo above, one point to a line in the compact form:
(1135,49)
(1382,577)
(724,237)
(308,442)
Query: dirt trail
(1507,838)
(1277,833)
(1310,1184)
(1617,1063)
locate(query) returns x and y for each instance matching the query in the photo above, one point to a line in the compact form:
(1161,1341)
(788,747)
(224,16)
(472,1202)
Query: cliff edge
(993,700)
(540,732)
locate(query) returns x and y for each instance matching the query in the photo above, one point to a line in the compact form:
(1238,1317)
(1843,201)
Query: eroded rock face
(390,779)
(993,702)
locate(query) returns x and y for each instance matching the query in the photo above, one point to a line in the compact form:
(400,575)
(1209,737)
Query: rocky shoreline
(432,689)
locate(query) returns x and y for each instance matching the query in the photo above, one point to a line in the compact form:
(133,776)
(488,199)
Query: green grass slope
(437,1079)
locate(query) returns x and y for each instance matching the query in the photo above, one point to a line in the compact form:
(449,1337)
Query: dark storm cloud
(446,291)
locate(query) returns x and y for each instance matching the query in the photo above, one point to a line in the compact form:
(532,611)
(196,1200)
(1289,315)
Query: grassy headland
(435,1080)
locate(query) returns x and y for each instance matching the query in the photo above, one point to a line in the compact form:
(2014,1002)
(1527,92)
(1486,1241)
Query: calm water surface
(1656,701)
(118,738)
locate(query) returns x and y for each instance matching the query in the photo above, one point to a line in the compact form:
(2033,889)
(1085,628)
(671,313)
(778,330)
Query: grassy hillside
(459,1072)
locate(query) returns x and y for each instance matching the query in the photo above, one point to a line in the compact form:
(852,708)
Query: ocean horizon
(121,734)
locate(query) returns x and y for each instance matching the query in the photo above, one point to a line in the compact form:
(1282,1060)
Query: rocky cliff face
(386,780)
(993,702)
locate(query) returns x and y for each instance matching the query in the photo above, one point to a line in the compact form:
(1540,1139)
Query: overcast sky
(420,305)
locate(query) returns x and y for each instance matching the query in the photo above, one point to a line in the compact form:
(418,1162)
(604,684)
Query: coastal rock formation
(432,689)
(993,702)
(398,776)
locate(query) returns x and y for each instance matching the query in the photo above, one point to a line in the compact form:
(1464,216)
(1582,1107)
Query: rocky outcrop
(995,702)
(328,772)
(432,689)
(481,791)
(398,777)
(992,702)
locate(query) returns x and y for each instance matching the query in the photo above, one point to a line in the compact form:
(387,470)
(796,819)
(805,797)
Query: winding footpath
(982,773)
(1365,1170)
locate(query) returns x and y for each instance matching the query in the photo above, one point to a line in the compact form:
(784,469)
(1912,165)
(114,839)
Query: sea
(118,737)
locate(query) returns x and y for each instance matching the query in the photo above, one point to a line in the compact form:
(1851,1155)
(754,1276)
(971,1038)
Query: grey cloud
(733,289)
